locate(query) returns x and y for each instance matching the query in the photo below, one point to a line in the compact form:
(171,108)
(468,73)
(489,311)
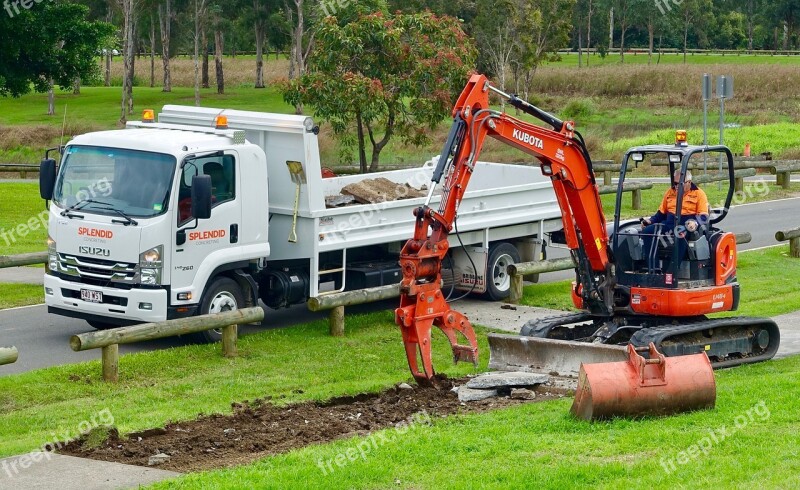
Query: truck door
(218,233)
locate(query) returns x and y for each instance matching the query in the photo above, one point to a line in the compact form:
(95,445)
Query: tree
(383,75)
(165,29)
(198,14)
(495,29)
(129,10)
(53,41)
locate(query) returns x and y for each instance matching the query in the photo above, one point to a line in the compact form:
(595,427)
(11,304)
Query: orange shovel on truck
(637,387)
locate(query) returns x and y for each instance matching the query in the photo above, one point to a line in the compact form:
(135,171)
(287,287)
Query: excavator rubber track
(728,342)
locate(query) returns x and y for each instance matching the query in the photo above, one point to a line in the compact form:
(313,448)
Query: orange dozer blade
(637,387)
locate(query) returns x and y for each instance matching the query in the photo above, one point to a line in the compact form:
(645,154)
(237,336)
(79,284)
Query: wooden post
(636,199)
(794,247)
(607,177)
(779,179)
(229,336)
(111,363)
(793,236)
(8,355)
(515,294)
(739,184)
(786,180)
(336,321)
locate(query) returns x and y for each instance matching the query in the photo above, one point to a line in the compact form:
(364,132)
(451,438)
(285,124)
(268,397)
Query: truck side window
(221,169)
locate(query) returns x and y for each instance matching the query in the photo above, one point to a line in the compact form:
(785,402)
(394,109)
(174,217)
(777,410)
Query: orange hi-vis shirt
(694,202)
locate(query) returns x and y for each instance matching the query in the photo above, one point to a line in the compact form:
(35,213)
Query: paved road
(43,339)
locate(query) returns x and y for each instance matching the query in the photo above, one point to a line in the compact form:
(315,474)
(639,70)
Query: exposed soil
(258,429)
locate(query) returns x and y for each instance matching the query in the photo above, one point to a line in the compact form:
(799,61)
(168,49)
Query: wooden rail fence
(8,355)
(793,237)
(110,340)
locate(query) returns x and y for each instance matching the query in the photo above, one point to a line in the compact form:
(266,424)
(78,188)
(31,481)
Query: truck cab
(124,246)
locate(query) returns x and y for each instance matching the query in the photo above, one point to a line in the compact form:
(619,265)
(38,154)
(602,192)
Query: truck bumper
(125,306)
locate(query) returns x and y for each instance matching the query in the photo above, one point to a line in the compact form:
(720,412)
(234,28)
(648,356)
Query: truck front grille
(96,269)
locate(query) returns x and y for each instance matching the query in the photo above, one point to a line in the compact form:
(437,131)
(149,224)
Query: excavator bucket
(637,386)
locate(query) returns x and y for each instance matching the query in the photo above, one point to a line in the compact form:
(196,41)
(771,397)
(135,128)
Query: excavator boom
(563,157)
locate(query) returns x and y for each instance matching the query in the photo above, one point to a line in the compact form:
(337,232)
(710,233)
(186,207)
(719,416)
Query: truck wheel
(100,325)
(224,294)
(501,255)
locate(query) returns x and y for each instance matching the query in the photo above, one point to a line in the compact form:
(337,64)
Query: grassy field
(541,446)
(14,295)
(677,58)
(23,219)
(757,269)
(180,383)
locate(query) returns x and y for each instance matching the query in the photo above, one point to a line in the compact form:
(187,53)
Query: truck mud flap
(555,357)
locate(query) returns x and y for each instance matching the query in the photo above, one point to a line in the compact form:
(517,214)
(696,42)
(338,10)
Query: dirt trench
(258,429)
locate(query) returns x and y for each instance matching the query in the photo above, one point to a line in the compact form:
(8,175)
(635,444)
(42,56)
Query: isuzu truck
(209,210)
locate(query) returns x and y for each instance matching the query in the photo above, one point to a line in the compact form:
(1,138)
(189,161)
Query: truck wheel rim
(222,302)
(500,276)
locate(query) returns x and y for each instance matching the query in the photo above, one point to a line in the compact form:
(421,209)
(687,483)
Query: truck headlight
(151,266)
(51,266)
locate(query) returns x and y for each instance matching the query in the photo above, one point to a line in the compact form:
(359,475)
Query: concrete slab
(789,326)
(509,318)
(48,470)
(22,275)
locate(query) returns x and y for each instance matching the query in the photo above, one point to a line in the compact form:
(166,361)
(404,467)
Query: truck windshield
(112,180)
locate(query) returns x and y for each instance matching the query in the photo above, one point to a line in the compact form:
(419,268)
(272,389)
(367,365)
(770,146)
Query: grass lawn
(757,271)
(23,219)
(541,446)
(14,295)
(180,383)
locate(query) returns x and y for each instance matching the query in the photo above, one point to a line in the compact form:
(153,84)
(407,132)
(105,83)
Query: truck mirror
(201,196)
(47,178)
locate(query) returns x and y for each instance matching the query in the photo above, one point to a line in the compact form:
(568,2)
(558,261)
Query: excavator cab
(680,253)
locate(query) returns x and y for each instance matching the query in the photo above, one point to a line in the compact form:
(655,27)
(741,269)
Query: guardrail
(635,188)
(518,271)
(22,259)
(335,302)
(793,237)
(23,169)
(8,355)
(110,340)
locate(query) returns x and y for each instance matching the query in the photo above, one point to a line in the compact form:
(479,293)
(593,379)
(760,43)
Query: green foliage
(578,109)
(49,40)
(382,75)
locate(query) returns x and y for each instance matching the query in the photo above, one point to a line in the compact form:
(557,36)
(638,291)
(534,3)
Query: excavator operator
(694,206)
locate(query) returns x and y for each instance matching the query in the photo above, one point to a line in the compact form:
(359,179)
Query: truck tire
(224,294)
(498,282)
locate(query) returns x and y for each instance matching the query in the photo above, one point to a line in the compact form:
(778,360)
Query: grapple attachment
(637,387)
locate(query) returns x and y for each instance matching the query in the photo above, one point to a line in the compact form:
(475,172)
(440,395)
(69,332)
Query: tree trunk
(198,7)
(132,57)
(750,14)
(259,54)
(76,86)
(300,52)
(650,35)
(127,55)
(204,42)
(108,67)
(218,48)
(362,144)
(622,39)
(589,34)
(580,49)
(611,30)
(152,50)
(51,100)
(685,39)
(165,21)
(378,146)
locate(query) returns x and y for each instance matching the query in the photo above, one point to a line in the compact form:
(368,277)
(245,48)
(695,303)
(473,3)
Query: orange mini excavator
(625,294)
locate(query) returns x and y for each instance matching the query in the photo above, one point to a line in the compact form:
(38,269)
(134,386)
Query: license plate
(91,296)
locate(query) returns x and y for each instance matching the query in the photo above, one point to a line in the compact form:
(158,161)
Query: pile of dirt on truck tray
(257,429)
(371,191)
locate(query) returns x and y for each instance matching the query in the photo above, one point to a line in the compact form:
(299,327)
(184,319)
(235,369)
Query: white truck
(209,210)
